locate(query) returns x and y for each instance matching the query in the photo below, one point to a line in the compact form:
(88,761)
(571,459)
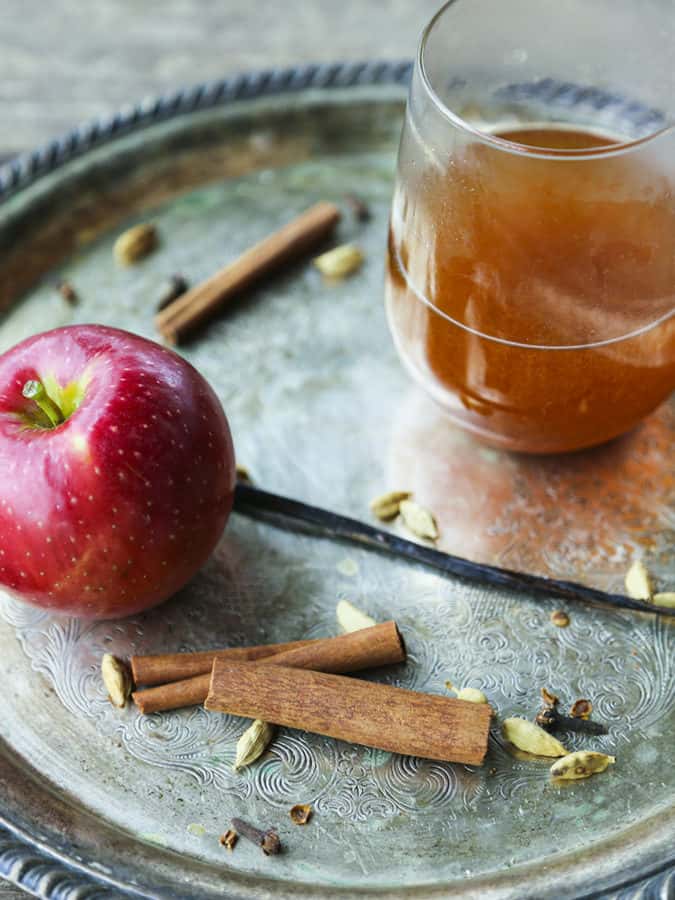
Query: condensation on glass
(531,262)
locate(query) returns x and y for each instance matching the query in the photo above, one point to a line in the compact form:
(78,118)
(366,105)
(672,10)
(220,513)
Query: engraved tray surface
(102,802)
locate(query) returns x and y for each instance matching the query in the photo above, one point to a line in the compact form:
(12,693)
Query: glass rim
(503,144)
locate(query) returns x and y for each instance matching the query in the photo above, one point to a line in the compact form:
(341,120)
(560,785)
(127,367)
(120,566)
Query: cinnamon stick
(368,648)
(162,667)
(202,302)
(175,695)
(349,709)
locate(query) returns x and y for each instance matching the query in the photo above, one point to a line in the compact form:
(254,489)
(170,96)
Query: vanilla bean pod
(283,512)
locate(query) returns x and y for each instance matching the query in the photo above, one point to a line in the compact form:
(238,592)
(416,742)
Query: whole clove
(301,813)
(549,698)
(229,839)
(359,208)
(68,292)
(581,709)
(552,720)
(268,841)
(172,290)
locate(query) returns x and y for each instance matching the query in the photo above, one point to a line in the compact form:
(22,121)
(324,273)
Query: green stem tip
(35,390)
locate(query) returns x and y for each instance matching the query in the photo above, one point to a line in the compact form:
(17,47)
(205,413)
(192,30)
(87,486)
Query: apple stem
(35,390)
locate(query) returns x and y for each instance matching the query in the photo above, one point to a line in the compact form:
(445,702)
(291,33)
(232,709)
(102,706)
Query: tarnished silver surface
(321,410)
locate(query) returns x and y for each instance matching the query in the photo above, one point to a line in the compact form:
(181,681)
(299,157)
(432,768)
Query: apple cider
(532,292)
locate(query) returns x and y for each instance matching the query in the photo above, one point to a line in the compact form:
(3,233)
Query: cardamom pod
(472,695)
(253,743)
(560,618)
(638,582)
(340,261)
(419,520)
(116,679)
(135,243)
(666,598)
(350,618)
(387,505)
(581,764)
(531,738)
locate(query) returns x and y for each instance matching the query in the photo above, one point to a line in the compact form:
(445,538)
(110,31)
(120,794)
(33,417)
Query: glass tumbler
(530,281)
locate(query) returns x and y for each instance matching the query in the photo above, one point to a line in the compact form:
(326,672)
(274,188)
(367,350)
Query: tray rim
(24,861)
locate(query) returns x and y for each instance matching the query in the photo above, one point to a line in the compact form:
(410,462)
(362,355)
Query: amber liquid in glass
(531,294)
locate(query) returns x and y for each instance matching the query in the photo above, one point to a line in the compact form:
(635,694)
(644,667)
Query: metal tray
(98,802)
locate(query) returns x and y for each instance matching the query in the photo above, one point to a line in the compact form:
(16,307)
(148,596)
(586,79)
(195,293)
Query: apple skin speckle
(70,519)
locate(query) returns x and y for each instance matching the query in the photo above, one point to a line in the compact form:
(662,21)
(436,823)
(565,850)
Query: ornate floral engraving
(628,671)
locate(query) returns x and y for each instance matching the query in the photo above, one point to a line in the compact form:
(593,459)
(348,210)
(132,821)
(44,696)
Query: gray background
(64,61)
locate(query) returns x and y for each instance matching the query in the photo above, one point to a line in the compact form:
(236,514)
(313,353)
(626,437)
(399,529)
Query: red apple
(116,471)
